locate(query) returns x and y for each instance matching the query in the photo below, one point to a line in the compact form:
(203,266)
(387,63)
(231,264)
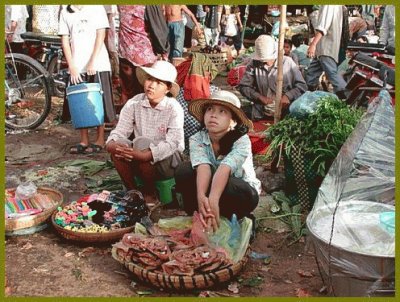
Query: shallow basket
(179,282)
(110,236)
(220,60)
(14,224)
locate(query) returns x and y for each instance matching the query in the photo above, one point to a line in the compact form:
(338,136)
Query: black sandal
(78,149)
(96,148)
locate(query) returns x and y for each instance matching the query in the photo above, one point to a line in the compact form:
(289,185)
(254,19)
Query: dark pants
(238,197)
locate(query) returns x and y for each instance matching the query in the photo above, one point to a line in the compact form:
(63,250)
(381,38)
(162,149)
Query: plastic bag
(307,103)
(26,190)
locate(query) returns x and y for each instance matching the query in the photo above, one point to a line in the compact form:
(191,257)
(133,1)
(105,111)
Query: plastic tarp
(352,222)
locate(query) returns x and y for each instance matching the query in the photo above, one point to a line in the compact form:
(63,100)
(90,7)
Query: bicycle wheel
(27,92)
(59,74)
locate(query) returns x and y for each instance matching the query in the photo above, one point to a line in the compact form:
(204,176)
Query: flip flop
(78,149)
(95,148)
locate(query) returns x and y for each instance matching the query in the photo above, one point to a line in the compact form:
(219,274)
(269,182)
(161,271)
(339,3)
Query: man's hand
(265,100)
(311,50)
(285,101)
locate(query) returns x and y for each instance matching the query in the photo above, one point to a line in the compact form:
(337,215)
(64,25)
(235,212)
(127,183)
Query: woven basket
(110,236)
(220,60)
(183,283)
(13,224)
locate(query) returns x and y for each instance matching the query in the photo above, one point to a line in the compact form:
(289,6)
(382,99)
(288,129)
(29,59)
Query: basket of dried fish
(30,212)
(185,258)
(103,217)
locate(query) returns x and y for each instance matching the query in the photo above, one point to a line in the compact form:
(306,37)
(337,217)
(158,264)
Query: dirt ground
(44,264)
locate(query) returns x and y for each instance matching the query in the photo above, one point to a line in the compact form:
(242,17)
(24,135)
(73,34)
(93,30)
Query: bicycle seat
(31,36)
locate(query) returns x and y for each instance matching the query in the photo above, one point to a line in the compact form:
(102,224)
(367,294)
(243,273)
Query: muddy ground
(44,264)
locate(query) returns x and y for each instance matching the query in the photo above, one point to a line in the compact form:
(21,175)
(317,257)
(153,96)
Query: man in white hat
(155,119)
(259,81)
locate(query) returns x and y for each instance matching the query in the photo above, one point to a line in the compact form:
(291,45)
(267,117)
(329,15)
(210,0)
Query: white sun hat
(266,48)
(161,70)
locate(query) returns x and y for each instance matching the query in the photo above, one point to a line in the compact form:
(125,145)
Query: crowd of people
(149,135)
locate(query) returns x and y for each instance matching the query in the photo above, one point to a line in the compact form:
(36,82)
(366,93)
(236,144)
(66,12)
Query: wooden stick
(279,84)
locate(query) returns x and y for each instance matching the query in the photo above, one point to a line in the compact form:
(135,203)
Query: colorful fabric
(134,42)
(197,82)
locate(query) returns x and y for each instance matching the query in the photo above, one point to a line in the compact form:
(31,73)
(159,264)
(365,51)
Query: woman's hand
(75,76)
(215,220)
(90,68)
(129,154)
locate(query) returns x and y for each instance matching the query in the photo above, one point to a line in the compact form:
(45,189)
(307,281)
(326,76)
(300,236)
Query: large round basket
(110,236)
(183,283)
(14,224)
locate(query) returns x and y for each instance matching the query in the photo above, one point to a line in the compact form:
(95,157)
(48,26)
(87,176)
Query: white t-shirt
(81,27)
(19,14)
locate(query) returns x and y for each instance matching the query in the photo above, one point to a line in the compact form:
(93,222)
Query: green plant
(319,136)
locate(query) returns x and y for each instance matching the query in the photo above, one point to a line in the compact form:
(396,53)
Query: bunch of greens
(319,136)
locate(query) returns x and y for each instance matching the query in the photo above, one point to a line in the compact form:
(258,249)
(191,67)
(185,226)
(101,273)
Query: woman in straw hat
(220,179)
(155,119)
(260,79)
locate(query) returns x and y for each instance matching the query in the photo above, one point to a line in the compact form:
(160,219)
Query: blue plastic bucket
(85,103)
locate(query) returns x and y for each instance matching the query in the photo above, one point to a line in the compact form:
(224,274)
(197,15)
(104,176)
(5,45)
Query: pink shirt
(134,42)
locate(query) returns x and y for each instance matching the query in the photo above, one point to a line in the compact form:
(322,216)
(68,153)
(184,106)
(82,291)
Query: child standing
(220,179)
(82,29)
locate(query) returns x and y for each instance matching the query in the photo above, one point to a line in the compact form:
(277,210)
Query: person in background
(220,177)
(134,49)
(212,26)
(324,50)
(158,30)
(259,81)
(156,120)
(15,25)
(82,29)
(287,48)
(232,26)
(301,50)
(111,42)
(387,31)
(173,15)
(200,14)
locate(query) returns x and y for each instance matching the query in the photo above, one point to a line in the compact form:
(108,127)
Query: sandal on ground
(93,148)
(78,149)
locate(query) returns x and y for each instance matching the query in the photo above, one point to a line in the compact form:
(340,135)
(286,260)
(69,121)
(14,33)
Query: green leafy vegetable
(319,136)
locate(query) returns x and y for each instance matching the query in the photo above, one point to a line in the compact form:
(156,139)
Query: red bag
(235,75)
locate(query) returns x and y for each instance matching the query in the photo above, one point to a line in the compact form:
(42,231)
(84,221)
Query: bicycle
(28,91)
(47,50)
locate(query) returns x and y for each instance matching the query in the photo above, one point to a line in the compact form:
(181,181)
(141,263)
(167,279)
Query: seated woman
(259,81)
(220,179)
(156,121)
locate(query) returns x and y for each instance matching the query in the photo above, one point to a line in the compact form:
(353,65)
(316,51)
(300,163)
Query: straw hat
(223,98)
(161,70)
(266,48)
